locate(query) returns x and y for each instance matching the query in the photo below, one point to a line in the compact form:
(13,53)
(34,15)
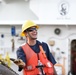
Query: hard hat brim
(22,34)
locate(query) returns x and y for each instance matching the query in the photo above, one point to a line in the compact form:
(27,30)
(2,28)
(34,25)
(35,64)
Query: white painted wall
(42,11)
(48,11)
(16,11)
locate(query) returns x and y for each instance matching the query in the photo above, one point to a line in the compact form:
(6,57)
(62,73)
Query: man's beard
(33,38)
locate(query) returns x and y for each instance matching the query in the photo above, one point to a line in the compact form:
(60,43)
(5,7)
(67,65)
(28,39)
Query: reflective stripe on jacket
(32,62)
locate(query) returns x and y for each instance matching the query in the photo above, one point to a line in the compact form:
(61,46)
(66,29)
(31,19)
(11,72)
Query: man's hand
(18,62)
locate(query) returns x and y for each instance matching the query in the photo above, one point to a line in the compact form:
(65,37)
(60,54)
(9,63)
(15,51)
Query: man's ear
(26,34)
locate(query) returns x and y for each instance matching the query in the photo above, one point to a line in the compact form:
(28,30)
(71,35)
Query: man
(34,57)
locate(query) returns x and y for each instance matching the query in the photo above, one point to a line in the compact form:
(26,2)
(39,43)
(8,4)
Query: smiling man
(32,56)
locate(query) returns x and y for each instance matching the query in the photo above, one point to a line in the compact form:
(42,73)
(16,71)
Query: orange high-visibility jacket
(32,62)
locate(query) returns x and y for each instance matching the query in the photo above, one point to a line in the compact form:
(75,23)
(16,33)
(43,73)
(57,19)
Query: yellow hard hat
(27,25)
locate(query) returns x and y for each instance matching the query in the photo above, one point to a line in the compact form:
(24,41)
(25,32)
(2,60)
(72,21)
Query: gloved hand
(19,62)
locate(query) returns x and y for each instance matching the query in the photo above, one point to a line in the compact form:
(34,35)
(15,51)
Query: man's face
(32,33)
